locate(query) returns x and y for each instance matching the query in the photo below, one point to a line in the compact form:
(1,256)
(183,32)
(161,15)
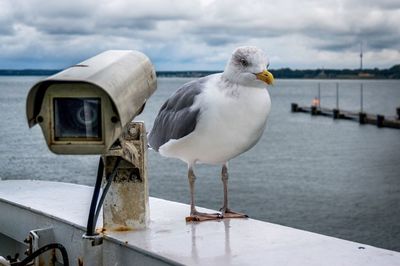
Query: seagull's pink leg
(194,214)
(226,212)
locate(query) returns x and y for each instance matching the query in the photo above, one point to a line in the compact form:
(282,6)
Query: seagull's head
(248,66)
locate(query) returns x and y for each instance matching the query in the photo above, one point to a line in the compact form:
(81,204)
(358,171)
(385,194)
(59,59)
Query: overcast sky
(201,34)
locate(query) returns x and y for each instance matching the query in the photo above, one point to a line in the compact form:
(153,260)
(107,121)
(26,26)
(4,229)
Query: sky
(201,34)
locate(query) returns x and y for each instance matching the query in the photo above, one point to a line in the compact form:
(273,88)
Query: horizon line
(203,70)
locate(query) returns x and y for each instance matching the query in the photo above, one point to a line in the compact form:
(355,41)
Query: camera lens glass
(77,119)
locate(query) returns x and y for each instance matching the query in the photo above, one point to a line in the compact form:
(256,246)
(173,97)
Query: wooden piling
(336,113)
(362,118)
(313,110)
(294,107)
(379,120)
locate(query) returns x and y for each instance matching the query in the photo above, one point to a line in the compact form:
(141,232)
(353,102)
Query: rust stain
(122,229)
(101,230)
(80,261)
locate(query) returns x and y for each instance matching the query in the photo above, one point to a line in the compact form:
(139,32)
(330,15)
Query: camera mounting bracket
(123,171)
(126,205)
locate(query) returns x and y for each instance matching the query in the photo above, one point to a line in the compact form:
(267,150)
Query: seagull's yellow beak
(266,76)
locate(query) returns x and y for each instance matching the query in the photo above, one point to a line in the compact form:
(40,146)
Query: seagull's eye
(243,62)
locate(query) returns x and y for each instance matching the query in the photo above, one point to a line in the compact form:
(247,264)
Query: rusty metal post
(126,206)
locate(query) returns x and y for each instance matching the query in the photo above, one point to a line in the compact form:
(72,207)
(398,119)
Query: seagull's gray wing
(176,119)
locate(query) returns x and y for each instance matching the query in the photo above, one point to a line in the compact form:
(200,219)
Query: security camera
(84,109)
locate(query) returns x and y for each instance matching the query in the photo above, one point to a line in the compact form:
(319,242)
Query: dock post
(313,110)
(336,113)
(379,120)
(294,107)
(398,113)
(362,117)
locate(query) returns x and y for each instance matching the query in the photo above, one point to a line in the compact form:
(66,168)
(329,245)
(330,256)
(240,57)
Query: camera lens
(86,116)
(77,118)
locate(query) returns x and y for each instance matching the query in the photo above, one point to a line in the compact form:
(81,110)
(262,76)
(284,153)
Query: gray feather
(176,119)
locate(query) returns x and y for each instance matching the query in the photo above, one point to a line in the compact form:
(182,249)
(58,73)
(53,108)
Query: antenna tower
(361,56)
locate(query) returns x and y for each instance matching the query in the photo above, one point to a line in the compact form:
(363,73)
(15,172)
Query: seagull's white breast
(232,120)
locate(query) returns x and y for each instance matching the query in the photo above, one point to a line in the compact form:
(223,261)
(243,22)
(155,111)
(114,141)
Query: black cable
(44,249)
(96,204)
(107,187)
(91,224)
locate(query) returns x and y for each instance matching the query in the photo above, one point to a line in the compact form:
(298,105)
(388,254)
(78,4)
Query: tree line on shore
(287,73)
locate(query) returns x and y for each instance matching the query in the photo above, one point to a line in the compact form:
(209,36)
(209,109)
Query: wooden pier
(360,117)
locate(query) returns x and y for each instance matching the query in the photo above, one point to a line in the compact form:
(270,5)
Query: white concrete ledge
(170,238)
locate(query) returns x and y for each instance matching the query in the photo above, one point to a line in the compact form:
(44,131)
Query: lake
(333,177)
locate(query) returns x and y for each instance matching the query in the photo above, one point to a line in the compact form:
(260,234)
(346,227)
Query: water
(314,173)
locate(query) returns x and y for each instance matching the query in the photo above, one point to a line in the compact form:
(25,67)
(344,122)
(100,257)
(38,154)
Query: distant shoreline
(285,73)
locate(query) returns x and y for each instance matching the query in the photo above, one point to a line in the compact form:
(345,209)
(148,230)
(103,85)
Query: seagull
(215,118)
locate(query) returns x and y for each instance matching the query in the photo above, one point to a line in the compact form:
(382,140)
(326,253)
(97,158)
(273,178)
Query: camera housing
(83,109)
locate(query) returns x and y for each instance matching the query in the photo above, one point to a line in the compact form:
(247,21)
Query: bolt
(133,131)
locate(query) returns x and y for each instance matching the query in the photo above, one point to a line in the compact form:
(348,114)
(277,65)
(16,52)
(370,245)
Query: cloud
(200,34)
(6,18)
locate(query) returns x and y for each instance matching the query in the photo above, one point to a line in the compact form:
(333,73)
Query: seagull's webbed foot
(196,216)
(228,213)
